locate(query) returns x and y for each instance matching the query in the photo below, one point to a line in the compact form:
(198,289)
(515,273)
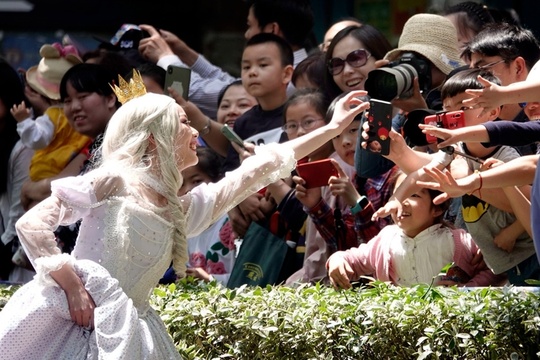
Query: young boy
(487,212)
(267,67)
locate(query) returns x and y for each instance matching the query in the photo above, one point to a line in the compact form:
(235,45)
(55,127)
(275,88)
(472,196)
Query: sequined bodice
(131,242)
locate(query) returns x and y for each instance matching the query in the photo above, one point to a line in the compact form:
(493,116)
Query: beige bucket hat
(432,36)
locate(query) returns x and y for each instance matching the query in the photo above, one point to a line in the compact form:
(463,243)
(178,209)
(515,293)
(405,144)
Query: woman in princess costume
(94,302)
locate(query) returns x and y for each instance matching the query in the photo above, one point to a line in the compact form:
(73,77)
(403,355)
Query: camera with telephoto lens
(396,80)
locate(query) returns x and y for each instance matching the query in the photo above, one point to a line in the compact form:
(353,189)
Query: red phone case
(316,173)
(447,120)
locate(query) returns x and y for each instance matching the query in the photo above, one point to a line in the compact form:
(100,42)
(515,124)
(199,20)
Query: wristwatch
(360,205)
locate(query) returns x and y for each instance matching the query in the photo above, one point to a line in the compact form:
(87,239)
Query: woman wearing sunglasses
(351,56)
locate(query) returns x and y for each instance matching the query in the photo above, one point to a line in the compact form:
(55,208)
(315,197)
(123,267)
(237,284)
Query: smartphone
(447,120)
(178,78)
(316,173)
(380,124)
(232,136)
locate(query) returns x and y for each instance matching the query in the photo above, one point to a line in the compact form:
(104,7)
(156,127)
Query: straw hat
(55,62)
(432,36)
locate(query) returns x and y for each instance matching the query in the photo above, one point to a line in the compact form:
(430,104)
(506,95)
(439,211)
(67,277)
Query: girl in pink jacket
(413,250)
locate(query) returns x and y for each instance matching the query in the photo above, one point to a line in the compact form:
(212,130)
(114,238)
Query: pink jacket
(375,258)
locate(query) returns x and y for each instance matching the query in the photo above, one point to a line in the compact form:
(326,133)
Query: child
(304,112)
(487,213)
(211,253)
(342,196)
(413,250)
(267,66)
(54,139)
(357,216)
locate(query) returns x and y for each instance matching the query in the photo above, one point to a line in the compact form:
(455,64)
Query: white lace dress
(123,249)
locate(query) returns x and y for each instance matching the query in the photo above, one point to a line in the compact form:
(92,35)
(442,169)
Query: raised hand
(488,98)
(20,112)
(444,182)
(154,47)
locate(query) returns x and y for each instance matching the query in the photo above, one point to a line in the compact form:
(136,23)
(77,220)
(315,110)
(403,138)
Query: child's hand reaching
(342,186)
(198,273)
(20,112)
(339,271)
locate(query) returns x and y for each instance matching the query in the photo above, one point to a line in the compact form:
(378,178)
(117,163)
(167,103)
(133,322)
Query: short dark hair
(314,67)
(506,40)
(88,78)
(466,79)
(287,57)
(210,163)
(295,17)
(151,70)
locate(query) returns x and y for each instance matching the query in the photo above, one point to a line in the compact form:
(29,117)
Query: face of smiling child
(418,214)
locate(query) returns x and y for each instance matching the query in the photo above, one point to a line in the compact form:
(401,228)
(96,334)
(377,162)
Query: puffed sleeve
(72,198)
(208,202)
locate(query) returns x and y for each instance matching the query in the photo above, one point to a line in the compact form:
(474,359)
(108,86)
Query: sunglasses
(357,58)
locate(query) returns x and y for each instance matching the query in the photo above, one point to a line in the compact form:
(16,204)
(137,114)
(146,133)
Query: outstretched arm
(517,172)
(493,95)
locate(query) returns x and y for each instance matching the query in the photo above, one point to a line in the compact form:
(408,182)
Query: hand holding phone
(380,124)
(229,133)
(446,120)
(316,173)
(178,78)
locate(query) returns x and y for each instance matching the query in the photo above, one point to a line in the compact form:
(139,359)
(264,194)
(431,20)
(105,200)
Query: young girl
(211,253)
(94,303)
(357,226)
(413,250)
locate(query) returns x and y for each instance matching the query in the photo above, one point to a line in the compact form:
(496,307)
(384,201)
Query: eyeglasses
(357,58)
(291,127)
(487,66)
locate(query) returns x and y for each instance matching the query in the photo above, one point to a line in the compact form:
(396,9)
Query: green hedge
(379,322)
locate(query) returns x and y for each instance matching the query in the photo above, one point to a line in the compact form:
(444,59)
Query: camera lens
(387,83)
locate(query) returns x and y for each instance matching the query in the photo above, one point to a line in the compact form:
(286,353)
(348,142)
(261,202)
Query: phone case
(178,78)
(229,133)
(316,173)
(380,121)
(447,120)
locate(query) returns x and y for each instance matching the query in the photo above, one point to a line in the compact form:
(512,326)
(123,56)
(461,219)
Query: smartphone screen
(380,124)
(178,78)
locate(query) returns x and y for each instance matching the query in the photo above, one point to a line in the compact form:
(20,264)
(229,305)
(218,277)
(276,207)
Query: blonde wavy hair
(126,147)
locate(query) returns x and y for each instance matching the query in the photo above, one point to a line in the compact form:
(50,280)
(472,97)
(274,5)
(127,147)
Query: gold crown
(127,91)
